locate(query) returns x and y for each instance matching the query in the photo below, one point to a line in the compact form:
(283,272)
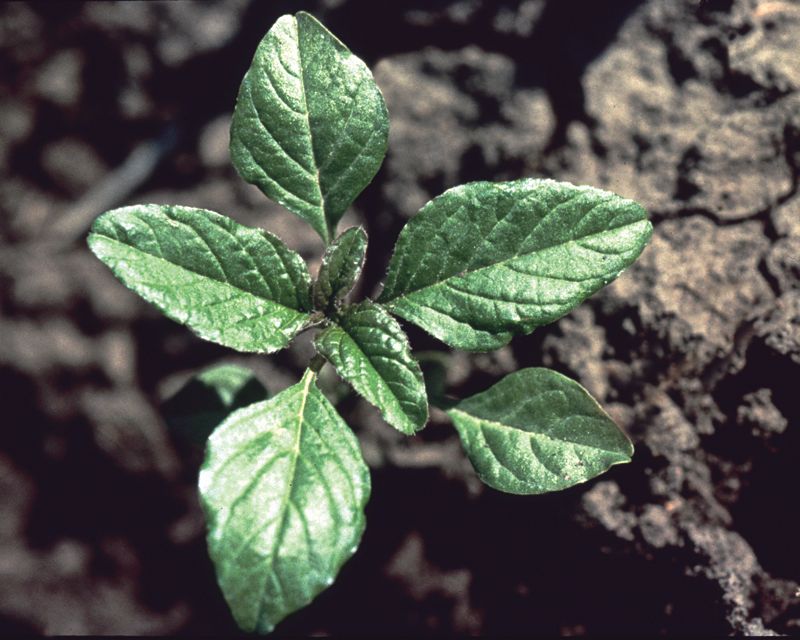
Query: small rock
(189,29)
(767,52)
(657,527)
(521,20)
(117,355)
(59,79)
(497,363)
(134,101)
(16,493)
(40,280)
(22,32)
(17,120)
(213,142)
(779,330)
(45,347)
(783,262)
(786,217)
(758,412)
(604,503)
(669,433)
(73,165)
(30,208)
(123,16)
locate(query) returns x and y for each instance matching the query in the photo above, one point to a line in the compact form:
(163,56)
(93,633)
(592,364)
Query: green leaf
(340,268)
(209,397)
(310,127)
(233,285)
(371,352)
(283,488)
(537,431)
(485,261)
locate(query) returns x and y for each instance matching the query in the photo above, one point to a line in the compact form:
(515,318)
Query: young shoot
(284,484)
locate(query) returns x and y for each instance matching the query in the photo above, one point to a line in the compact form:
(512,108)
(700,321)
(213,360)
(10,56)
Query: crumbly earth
(690,107)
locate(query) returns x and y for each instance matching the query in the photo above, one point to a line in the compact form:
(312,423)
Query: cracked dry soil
(691,107)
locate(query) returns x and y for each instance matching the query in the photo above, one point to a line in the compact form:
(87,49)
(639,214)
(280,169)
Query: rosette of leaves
(284,484)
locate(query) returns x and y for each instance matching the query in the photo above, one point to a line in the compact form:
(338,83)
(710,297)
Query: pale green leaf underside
(370,351)
(485,261)
(207,398)
(537,431)
(231,383)
(233,285)
(310,127)
(284,488)
(340,268)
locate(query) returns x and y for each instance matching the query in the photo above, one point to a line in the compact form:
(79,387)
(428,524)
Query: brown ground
(691,107)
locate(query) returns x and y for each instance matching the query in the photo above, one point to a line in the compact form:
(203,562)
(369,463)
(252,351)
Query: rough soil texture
(691,107)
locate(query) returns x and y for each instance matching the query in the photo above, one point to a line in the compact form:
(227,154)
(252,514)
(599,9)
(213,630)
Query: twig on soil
(73,223)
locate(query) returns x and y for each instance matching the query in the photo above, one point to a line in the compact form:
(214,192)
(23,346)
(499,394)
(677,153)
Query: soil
(691,107)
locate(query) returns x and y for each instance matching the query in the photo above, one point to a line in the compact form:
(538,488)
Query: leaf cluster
(284,484)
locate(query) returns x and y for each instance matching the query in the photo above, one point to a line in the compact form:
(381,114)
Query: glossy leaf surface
(340,268)
(485,261)
(310,126)
(209,397)
(370,351)
(537,431)
(233,285)
(284,488)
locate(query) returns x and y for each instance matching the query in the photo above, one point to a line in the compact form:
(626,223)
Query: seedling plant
(283,484)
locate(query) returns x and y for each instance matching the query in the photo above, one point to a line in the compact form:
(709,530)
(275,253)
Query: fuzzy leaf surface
(310,127)
(485,261)
(537,431)
(207,398)
(370,351)
(233,285)
(283,488)
(340,268)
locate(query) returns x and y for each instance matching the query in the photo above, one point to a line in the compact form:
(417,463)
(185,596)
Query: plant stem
(317,362)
